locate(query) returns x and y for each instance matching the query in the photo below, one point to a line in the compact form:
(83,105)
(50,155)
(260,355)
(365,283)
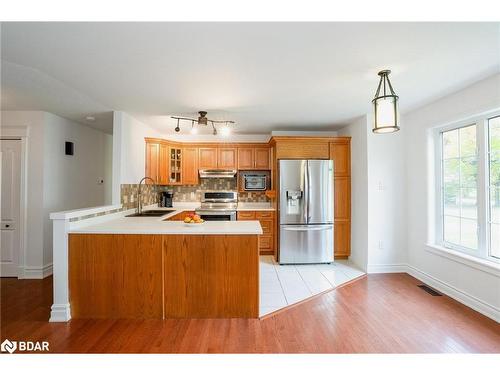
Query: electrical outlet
(380,245)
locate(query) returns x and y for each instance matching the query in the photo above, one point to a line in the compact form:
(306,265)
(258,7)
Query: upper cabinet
(340,153)
(207,158)
(254,158)
(152,160)
(190,166)
(226,158)
(301,148)
(246,158)
(263,158)
(175,163)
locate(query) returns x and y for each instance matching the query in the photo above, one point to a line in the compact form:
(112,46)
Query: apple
(196,217)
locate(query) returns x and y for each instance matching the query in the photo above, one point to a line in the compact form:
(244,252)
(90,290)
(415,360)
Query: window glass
(459,178)
(494,185)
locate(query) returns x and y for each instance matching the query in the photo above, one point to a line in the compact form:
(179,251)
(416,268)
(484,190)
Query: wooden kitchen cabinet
(250,158)
(340,153)
(207,158)
(163,169)
(227,158)
(301,147)
(152,161)
(246,158)
(268,223)
(190,166)
(263,158)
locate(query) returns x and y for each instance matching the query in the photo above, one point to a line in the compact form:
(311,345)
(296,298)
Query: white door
(11,203)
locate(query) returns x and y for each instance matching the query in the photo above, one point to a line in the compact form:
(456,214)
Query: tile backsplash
(187,193)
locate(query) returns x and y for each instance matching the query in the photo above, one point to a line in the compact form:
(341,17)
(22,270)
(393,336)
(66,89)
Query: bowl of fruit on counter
(193,219)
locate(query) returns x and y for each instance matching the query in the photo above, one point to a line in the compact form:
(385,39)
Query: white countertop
(250,206)
(158,225)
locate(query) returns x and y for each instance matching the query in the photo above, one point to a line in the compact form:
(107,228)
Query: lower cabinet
(266,219)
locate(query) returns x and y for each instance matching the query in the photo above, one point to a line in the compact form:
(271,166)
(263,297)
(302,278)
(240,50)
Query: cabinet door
(163,165)
(190,166)
(262,159)
(152,159)
(246,158)
(340,153)
(207,158)
(227,158)
(342,191)
(342,239)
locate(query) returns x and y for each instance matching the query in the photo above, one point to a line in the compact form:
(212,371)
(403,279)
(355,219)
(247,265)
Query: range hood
(217,173)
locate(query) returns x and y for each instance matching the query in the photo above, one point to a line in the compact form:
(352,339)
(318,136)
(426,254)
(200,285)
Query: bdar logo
(8,346)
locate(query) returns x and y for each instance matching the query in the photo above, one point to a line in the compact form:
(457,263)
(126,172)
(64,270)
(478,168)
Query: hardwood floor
(385,313)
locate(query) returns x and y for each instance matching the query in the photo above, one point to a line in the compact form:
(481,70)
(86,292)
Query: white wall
(56,182)
(386,200)
(378,196)
(71,182)
(358,131)
(473,285)
(129,151)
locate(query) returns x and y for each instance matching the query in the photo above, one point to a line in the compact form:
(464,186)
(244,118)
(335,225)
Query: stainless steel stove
(218,205)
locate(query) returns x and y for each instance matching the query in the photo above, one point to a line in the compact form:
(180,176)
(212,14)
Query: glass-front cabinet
(175,165)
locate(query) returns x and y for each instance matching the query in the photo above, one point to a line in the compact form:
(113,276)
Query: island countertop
(158,225)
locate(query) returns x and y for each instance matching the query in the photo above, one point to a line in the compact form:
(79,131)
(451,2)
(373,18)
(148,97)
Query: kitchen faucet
(139,197)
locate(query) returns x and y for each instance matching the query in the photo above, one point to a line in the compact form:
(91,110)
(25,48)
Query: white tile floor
(283,285)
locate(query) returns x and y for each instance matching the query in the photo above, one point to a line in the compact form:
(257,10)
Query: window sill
(484,265)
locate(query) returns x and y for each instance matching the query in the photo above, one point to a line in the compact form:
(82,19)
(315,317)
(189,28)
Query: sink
(151,213)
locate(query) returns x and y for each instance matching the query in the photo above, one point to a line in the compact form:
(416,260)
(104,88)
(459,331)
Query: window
(494,185)
(469,189)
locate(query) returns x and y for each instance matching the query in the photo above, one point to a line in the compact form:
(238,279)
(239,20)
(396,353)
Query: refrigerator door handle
(306,192)
(306,228)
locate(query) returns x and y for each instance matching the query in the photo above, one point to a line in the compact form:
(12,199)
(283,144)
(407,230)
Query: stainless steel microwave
(254,182)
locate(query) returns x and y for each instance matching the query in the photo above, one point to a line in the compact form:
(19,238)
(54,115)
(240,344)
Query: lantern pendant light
(385,106)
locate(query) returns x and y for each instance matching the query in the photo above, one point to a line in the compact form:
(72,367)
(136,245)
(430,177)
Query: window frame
(482,149)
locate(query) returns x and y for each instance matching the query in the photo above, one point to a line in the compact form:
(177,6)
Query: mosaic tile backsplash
(186,193)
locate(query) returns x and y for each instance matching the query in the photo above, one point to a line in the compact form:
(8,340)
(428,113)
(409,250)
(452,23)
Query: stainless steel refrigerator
(305,211)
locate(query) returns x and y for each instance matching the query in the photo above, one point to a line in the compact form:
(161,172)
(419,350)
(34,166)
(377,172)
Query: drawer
(267,226)
(246,215)
(265,242)
(264,214)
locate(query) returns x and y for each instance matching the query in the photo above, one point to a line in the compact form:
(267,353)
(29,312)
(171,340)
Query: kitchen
(241,234)
(250,187)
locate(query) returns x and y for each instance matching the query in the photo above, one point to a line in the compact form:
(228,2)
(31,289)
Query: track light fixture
(202,120)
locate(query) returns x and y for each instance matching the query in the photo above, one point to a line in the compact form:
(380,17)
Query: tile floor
(283,285)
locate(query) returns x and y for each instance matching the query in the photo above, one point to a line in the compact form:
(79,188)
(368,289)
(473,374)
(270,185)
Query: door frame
(21,133)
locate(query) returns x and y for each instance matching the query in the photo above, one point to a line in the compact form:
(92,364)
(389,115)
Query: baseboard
(36,272)
(387,268)
(60,313)
(458,295)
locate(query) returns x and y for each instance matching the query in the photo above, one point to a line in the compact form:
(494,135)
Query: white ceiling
(265,76)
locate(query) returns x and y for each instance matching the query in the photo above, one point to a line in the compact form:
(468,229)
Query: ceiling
(264,76)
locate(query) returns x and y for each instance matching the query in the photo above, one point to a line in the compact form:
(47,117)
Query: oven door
(217,215)
(255,183)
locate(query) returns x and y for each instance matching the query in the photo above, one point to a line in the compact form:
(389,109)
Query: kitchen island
(130,267)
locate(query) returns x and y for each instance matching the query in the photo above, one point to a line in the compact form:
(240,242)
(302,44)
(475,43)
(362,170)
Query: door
(293,191)
(306,244)
(11,207)
(163,165)
(246,158)
(227,158)
(190,166)
(152,161)
(208,158)
(262,158)
(319,192)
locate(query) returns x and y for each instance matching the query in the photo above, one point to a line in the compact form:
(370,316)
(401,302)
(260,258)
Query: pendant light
(385,106)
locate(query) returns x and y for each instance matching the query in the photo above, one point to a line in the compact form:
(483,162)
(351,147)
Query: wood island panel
(213,276)
(115,276)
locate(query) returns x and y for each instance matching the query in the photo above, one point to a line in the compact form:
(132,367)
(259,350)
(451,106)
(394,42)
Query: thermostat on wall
(69,148)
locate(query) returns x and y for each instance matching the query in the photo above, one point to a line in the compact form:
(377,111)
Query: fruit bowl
(193,219)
